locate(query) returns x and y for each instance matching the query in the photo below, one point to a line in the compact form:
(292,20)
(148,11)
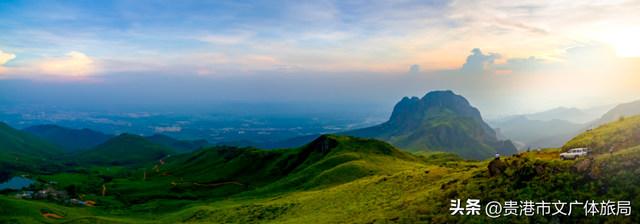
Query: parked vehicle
(574,153)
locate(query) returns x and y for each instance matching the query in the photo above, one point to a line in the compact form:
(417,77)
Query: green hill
(404,191)
(326,161)
(70,139)
(123,149)
(179,146)
(621,134)
(440,121)
(19,148)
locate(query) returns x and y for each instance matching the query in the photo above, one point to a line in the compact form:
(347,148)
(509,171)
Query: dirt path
(161,161)
(82,196)
(145,176)
(104,189)
(156,167)
(47,215)
(90,203)
(195,216)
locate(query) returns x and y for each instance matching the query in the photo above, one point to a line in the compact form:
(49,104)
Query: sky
(504,56)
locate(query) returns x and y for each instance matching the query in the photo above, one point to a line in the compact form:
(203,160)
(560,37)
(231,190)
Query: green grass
(619,134)
(335,179)
(29,150)
(121,150)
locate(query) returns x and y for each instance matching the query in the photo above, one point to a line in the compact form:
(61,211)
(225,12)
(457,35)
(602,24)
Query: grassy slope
(70,139)
(619,134)
(123,149)
(435,130)
(28,149)
(407,196)
(330,158)
(402,193)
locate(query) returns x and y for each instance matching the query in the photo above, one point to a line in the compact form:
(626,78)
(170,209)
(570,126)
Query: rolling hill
(123,149)
(70,139)
(179,146)
(328,160)
(440,121)
(620,134)
(24,149)
(403,191)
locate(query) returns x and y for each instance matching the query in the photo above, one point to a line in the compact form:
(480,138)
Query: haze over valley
(366,112)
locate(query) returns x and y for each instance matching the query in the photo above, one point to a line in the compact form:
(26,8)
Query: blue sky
(514,56)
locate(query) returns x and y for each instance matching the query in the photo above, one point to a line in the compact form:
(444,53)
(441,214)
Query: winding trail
(104,189)
(195,216)
(90,203)
(52,215)
(145,176)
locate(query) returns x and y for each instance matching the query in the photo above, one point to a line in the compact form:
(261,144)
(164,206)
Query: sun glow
(625,40)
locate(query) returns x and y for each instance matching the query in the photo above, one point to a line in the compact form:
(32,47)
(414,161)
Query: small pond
(15,183)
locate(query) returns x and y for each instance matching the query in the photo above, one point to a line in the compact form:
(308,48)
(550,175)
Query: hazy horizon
(505,57)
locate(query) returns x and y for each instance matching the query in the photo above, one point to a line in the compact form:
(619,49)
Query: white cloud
(73,64)
(76,64)
(4,57)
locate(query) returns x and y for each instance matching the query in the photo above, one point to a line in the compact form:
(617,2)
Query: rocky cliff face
(408,108)
(440,121)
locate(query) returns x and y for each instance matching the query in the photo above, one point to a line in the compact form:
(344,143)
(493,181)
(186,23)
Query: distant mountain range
(179,146)
(625,109)
(440,121)
(573,115)
(70,139)
(74,140)
(536,130)
(562,113)
(536,133)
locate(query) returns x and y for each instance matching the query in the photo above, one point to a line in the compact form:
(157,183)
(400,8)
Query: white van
(574,153)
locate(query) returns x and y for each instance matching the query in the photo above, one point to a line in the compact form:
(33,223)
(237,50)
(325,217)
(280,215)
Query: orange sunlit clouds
(76,64)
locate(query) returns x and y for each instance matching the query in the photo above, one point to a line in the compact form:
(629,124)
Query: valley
(406,170)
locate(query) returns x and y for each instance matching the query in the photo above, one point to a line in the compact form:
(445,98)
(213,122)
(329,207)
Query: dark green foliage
(315,164)
(122,150)
(22,143)
(70,139)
